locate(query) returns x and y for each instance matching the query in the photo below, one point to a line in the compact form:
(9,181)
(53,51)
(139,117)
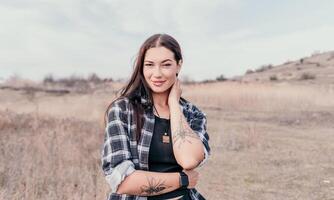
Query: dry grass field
(268,141)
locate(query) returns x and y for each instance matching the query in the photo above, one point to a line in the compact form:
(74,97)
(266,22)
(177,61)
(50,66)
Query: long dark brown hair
(137,87)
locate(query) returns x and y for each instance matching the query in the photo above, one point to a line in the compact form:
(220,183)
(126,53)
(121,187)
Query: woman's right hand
(192,177)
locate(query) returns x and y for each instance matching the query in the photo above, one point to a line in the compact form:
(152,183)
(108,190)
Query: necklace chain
(158,112)
(166,131)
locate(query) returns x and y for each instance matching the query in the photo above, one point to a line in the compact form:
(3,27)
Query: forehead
(157,54)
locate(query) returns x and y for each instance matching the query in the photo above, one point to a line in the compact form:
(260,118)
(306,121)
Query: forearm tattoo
(182,133)
(154,186)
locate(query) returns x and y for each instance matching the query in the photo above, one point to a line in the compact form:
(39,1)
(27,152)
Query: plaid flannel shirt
(120,153)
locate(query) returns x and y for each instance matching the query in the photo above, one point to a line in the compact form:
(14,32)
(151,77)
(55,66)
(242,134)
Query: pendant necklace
(165,137)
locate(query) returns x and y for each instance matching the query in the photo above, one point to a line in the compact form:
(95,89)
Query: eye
(148,64)
(167,65)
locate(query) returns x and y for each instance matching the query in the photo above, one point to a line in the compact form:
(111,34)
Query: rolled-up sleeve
(116,155)
(198,123)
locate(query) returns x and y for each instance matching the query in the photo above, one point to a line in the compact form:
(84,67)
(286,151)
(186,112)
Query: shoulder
(119,105)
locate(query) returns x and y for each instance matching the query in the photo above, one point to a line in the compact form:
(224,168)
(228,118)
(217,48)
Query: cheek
(171,76)
(147,74)
(171,80)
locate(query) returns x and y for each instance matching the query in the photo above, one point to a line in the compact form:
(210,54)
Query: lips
(158,83)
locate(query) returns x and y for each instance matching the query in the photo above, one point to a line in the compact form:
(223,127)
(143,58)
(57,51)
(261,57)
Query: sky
(226,37)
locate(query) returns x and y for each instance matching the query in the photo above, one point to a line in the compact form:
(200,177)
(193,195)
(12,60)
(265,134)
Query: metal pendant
(165,138)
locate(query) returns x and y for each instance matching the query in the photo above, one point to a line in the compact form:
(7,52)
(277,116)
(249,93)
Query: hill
(315,69)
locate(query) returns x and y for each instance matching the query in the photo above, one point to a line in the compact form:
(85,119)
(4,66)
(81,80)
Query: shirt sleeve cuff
(119,173)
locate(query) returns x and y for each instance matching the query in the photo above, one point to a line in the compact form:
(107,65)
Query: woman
(154,138)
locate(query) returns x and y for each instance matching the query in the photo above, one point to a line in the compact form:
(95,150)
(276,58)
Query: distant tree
(94,78)
(48,79)
(108,79)
(249,71)
(208,81)
(72,81)
(221,78)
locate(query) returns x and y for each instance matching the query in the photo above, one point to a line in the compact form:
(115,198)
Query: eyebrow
(161,62)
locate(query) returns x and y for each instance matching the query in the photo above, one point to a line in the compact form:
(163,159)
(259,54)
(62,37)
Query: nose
(157,72)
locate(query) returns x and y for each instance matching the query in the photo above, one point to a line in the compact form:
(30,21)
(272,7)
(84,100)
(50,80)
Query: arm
(190,142)
(146,183)
(116,157)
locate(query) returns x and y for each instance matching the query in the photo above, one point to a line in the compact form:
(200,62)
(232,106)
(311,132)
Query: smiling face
(160,69)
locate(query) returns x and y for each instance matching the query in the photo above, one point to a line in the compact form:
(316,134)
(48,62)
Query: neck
(160,99)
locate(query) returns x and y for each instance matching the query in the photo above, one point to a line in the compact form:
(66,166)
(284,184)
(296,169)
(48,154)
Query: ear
(179,66)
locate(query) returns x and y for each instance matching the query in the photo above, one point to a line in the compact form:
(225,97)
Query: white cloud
(81,36)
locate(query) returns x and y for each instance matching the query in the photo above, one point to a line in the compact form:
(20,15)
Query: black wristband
(184,181)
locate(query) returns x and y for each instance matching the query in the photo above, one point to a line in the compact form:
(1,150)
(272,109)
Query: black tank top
(161,158)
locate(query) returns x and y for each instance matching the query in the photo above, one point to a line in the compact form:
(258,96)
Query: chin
(156,89)
(159,90)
